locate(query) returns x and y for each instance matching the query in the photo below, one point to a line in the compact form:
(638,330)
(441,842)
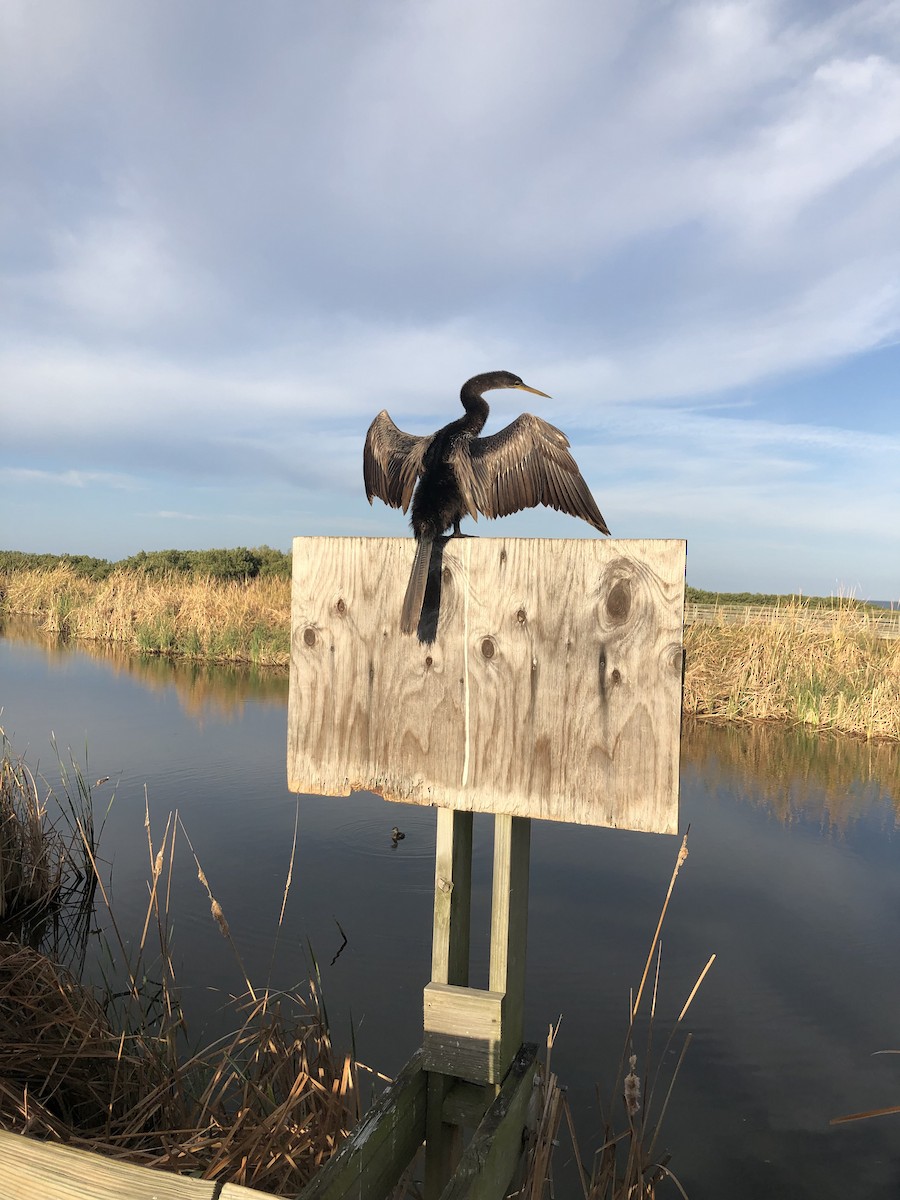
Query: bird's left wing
(526,464)
(392,462)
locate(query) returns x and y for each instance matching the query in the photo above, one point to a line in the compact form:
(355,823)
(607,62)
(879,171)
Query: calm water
(793,880)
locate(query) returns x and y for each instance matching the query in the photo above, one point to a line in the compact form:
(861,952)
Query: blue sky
(231,233)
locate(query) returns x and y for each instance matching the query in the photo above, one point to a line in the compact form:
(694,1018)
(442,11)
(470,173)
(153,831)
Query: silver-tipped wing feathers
(392,462)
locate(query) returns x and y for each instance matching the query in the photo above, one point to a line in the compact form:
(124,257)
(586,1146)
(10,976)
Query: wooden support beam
(466,1103)
(509,929)
(382,1146)
(452,897)
(449,966)
(487,1166)
(462,1032)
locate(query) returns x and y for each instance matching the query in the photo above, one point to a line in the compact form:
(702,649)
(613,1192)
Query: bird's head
(493,380)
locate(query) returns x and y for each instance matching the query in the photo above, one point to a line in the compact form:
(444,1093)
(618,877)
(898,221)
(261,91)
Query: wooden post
(509,927)
(452,898)
(449,965)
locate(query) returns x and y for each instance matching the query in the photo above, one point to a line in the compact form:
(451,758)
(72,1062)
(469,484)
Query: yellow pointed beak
(523,387)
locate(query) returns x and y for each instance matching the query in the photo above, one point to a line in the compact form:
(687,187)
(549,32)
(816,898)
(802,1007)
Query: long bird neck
(476,409)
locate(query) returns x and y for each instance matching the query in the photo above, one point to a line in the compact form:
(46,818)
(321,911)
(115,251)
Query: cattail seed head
(632,1088)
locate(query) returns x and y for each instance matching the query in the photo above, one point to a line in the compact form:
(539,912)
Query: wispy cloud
(221,263)
(70,478)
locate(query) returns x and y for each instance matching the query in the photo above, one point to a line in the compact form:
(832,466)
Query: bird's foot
(457,532)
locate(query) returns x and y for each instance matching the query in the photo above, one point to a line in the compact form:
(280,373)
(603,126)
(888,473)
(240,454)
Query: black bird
(459,474)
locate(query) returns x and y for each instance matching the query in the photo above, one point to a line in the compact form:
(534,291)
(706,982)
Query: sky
(231,233)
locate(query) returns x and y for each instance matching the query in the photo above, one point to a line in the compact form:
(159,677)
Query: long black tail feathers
(415,589)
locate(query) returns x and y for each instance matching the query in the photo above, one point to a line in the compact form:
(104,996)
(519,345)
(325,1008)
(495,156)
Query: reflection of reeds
(201,687)
(46,884)
(794,771)
(839,675)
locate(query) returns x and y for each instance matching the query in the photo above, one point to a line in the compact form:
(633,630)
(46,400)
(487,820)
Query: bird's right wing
(392,462)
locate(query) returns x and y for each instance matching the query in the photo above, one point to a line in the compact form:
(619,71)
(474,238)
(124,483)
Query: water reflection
(202,688)
(795,773)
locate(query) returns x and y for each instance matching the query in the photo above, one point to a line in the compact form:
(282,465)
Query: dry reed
(221,621)
(829,675)
(46,885)
(628,1164)
(111,1069)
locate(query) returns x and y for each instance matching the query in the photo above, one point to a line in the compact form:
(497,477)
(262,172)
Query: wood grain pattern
(552,688)
(32,1170)
(463,1032)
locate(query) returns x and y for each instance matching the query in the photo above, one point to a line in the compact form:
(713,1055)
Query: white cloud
(231,239)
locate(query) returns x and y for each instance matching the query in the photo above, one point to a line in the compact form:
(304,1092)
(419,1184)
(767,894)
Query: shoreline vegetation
(815,662)
(111,1064)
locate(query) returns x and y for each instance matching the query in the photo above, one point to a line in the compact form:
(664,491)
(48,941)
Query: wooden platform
(33,1170)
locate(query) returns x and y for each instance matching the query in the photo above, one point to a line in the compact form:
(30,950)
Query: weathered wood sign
(551,688)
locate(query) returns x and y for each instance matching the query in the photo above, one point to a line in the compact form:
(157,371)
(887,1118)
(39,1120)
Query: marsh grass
(46,842)
(173,614)
(828,675)
(824,669)
(113,1069)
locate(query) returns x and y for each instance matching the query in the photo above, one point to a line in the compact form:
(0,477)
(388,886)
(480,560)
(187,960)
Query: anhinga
(459,473)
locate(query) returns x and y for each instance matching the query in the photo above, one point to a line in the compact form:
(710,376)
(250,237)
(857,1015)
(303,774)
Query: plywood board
(552,688)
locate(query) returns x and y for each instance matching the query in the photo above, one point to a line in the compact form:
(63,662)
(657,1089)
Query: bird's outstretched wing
(392,462)
(526,464)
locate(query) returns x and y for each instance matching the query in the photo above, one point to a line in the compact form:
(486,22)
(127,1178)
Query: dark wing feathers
(392,462)
(526,464)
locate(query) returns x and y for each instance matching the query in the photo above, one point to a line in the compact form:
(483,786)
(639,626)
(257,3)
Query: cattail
(632,1088)
(219,917)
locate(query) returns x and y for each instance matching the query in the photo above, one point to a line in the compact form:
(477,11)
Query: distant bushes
(82,564)
(238,564)
(694,595)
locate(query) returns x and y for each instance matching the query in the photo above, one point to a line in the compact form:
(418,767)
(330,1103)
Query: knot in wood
(341,606)
(429,661)
(618,602)
(488,648)
(521,616)
(309,636)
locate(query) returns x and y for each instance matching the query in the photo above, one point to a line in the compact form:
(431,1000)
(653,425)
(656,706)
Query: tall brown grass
(111,1069)
(226,621)
(836,675)
(46,882)
(830,673)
